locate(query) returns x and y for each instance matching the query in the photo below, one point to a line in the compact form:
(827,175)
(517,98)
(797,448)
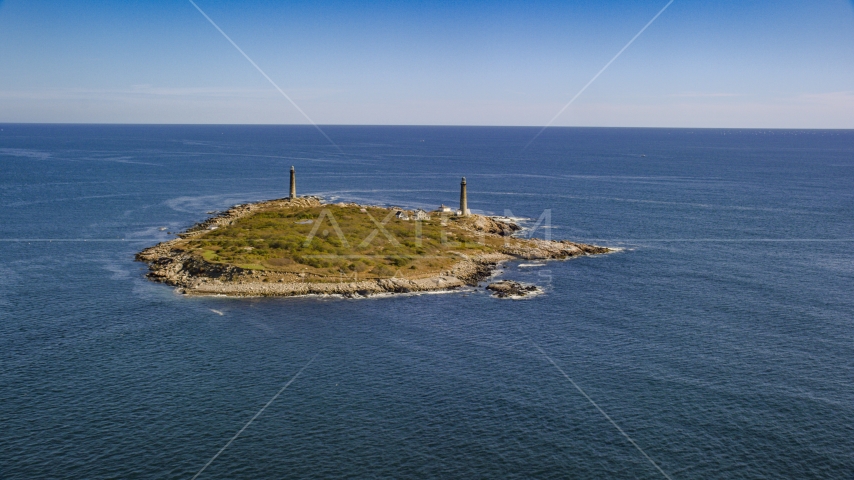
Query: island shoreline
(191,275)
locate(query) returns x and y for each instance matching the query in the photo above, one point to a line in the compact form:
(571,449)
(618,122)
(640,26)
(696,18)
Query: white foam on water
(24,153)
(502,218)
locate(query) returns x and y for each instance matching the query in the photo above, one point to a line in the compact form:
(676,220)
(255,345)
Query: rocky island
(302,246)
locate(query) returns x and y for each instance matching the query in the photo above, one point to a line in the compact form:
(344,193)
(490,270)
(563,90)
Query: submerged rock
(509,288)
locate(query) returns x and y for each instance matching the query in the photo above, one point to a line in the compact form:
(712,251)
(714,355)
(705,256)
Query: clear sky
(768,64)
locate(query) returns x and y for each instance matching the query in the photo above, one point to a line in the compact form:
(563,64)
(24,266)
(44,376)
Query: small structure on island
(293,193)
(420,215)
(444,209)
(464,202)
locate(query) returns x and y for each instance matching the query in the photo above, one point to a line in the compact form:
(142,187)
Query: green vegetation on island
(331,240)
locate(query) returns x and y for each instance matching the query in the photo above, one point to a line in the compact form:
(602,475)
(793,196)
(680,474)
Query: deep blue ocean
(720,339)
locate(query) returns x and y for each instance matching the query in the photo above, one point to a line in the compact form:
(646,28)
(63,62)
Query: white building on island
(420,215)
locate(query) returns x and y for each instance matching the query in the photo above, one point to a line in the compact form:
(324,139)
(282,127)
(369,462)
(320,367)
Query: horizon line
(416,125)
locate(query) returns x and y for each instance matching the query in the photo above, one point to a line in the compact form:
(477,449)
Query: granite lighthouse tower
(293,193)
(464,201)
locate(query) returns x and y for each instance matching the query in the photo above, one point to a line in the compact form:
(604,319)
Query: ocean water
(719,339)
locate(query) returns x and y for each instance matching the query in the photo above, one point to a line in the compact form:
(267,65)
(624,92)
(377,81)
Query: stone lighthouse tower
(464,201)
(293,184)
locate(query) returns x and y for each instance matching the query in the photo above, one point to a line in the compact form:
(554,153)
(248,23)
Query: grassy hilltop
(328,241)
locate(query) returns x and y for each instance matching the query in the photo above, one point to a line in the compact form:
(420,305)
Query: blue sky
(780,64)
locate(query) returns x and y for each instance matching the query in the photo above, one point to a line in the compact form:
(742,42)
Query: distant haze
(780,64)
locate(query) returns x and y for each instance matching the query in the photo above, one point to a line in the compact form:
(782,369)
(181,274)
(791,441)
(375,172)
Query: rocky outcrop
(347,289)
(539,249)
(511,289)
(488,225)
(196,276)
